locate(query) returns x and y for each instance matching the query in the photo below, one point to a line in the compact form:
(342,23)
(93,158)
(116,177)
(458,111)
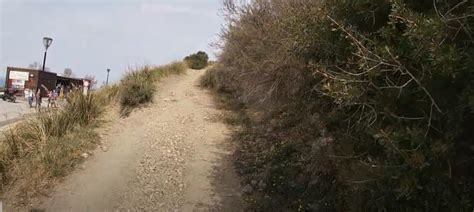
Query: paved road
(11,112)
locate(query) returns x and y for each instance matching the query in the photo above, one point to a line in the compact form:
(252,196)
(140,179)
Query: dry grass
(47,146)
(209,79)
(108,94)
(138,86)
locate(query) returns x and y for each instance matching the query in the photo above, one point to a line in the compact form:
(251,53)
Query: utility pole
(107,82)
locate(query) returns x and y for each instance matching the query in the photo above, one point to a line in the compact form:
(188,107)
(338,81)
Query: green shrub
(378,91)
(197,61)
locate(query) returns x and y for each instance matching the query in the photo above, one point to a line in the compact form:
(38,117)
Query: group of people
(37,97)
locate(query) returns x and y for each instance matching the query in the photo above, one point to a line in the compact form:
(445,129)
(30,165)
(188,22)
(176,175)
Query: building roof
(26,69)
(69,78)
(29,69)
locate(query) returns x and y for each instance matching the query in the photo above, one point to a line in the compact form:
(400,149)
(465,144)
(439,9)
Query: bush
(197,61)
(372,98)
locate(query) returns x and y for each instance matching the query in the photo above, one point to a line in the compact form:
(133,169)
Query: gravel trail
(169,156)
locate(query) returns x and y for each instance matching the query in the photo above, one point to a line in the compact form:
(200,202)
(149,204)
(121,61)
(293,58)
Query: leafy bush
(374,99)
(197,61)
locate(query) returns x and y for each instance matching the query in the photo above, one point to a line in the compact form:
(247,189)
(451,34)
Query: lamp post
(47,42)
(107,82)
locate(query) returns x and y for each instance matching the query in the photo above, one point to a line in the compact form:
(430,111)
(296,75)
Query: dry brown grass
(138,85)
(46,146)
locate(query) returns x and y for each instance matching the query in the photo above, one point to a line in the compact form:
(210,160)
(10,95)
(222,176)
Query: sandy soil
(169,156)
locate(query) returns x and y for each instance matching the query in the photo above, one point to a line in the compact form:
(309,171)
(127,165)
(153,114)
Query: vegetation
(48,145)
(197,61)
(138,86)
(37,66)
(352,105)
(108,95)
(68,72)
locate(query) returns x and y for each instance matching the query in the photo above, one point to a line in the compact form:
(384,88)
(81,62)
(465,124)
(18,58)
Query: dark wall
(48,80)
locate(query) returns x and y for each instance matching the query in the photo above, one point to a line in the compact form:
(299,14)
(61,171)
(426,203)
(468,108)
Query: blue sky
(93,35)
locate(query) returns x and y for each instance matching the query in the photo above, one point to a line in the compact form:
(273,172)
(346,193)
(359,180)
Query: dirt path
(169,156)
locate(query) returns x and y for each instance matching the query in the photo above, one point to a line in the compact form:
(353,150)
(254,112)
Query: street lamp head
(108,70)
(47,42)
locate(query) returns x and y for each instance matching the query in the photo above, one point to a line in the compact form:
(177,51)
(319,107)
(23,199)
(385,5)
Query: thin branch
(417,82)
(436,9)
(429,121)
(346,157)
(461,17)
(360,181)
(361,73)
(455,7)
(406,118)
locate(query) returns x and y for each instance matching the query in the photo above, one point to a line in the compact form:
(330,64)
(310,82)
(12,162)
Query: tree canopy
(198,60)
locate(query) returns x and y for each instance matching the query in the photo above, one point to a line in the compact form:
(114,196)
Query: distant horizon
(3,74)
(90,36)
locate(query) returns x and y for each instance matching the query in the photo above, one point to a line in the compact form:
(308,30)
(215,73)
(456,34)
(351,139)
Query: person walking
(50,96)
(31,96)
(61,93)
(38,99)
(54,98)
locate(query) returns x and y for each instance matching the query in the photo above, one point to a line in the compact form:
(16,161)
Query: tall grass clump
(362,105)
(47,145)
(209,79)
(109,94)
(138,86)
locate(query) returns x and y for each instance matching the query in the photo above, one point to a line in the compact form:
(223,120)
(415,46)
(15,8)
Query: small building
(29,80)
